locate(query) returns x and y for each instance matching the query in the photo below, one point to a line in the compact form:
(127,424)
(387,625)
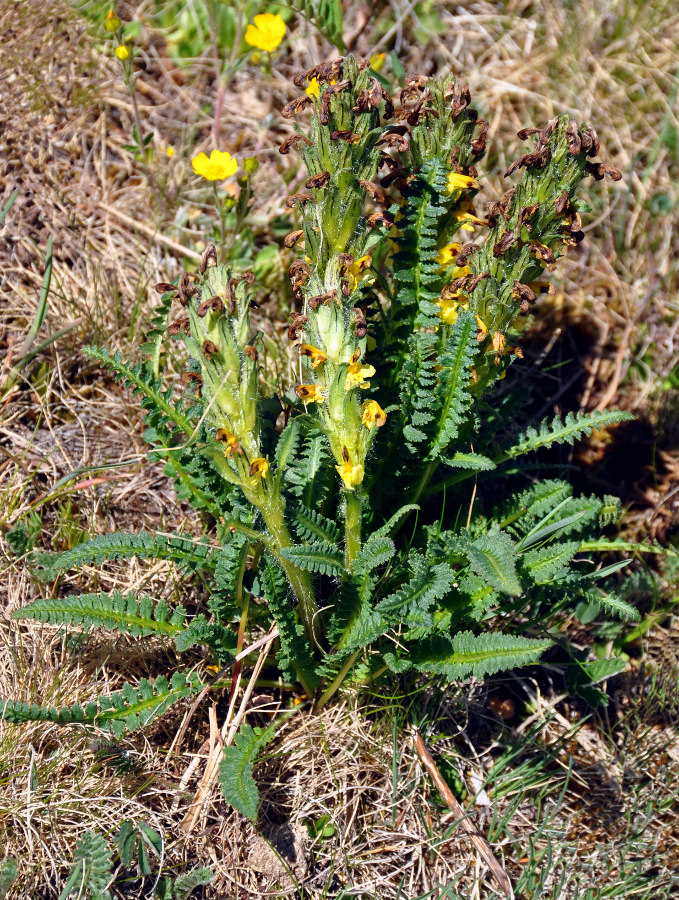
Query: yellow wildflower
(357,373)
(231,441)
(122,52)
(350,474)
(169,150)
(373,415)
(356,269)
(468,220)
(449,308)
(447,254)
(483,329)
(313,90)
(266,33)
(377,61)
(316,356)
(502,348)
(309,393)
(457,182)
(220,165)
(259,467)
(111,22)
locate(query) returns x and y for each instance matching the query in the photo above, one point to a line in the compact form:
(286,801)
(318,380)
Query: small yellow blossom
(313,89)
(356,269)
(457,182)
(309,393)
(122,52)
(483,329)
(259,467)
(377,61)
(449,308)
(468,220)
(220,165)
(357,373)
(231,441)
(350,474)
(316,356)
(373,415)
(111,22)
(447,254)
(267,32)
(499,343)
(169,150)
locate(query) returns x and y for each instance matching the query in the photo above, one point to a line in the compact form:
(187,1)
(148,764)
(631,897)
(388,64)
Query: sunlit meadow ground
(590,813)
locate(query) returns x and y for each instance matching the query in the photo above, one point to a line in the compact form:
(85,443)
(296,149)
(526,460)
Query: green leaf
(9,872)
(548,563)
(92,869)
(563,431)
(235,769)
(186,884)
(493,557)
(321,557)
(310,524)
(390,526)
(474,461)
(478,655)
(452,390)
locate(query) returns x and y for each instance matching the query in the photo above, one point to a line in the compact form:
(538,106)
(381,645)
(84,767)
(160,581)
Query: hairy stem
(352,527)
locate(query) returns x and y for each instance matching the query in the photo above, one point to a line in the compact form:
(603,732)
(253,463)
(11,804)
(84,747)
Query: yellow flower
(447,254)
(122,52)
(457,182)
(483,329)
(220,165)
(377,61)
(111,22)
(357,373)
(350,474)
(231,441)
(316,356)
(309,393)
(267,32)
(169,150)
(313,90)
(259,467)
(449,308)
(467,219)
(373,415)
(356,269)
(499,343)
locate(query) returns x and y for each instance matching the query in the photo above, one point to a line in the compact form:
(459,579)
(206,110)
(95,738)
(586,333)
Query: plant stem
(336,683)
(352,527)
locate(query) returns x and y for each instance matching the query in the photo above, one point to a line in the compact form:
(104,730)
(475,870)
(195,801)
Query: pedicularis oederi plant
(340,511)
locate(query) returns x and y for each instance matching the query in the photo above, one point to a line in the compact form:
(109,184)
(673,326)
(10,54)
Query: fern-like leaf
(563,431)
(186,884)
(235,769)
(479,655)
(91,872)
(452,390)
(493,557)
(321,557)
(310,524)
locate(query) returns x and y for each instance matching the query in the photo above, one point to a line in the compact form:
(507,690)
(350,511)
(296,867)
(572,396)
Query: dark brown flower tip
(525,294)
(296,326)
(543,253)
(370,97)
(479,145)
(359,321)
(526,213)
(349,136)
(216,304)
(374,191)
(596,169)
(250,352)
(613,173)
(536,160)
(388,104)
(301,197)
(345,454)
(562,203)
(296,106)
(465,252)
(460,98)
(476,280)
(322,298)
(505,202)
(291,142)
(291,239)
(451,290)
(548,131)
(188,377)
(590,141)
(507,240)
(345,260)
(178,326)
(380,218)
(210,349)
(185,289)
(573,139)
(209,258)
(394,138)
(163,287)
(298,273)
(330,70)
(525,133)
(318,181)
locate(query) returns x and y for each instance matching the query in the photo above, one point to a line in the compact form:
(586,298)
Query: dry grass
(64,121)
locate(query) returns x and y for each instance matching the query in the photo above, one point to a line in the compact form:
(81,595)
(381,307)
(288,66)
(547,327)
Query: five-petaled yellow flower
(259,467)
(457,182)
(220,165)
(316,356)
(309,393)
(313,89)
(449,308)
(373,415)
(267,32)
(122,52)
(169,150)
(350,474)
(357,373)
